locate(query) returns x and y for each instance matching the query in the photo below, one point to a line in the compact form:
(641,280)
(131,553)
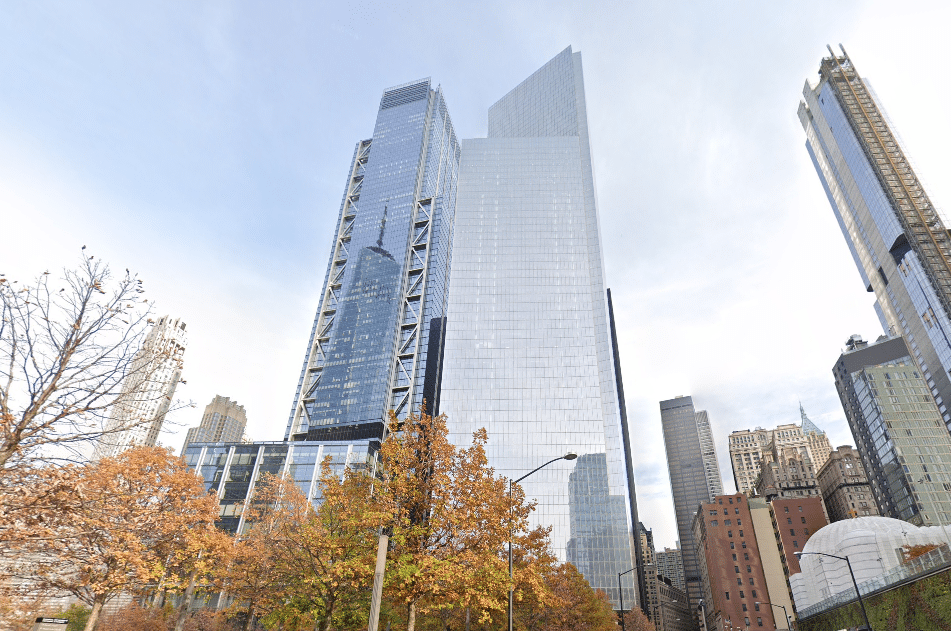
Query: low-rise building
(672,613)
(232,470)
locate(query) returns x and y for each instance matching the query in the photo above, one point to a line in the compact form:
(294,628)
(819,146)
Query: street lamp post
(703,614)
(785,613)
(868,624)
(568,456)
(620,594)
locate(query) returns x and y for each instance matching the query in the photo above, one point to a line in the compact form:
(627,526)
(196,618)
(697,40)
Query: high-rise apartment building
(223,422)
(898,430)
(147,391)
(670,563)
(845,488)
(750,449)
(529,351)
(376,342)
(690,468)
(899,242)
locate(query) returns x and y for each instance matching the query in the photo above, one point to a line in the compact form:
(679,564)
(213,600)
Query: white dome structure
(873,546)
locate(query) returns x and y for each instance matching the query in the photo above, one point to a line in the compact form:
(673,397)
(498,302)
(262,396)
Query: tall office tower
(690,481)
(899,243)
(377,338)
(845,489)
(898,430)
(670,563)
(749,450)
(223,422)
(147,392)
(529,351)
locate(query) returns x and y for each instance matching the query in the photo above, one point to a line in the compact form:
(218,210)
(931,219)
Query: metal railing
(927,563)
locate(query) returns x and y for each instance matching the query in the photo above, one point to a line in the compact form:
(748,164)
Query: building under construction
(899,242)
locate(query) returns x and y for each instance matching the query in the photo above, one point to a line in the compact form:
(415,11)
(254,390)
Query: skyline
(221,148)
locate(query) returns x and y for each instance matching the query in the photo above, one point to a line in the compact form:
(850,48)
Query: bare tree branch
(69,372)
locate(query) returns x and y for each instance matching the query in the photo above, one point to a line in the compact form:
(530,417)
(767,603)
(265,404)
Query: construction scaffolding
(924,231)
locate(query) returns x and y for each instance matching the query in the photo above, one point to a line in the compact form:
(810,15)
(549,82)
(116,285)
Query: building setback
(845,489)
(899,243)
(376,342)
(529,353)
(223,422)
(690,480)
(899,431)
(749,449)
(732,573)
(148,390)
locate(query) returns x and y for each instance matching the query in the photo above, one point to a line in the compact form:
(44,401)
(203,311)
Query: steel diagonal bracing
(416,273)
(328,305)
(923,227)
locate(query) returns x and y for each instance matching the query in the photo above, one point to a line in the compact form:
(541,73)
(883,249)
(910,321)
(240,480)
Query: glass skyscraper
(376,342)
(899,243)
(694,478)
(529,353)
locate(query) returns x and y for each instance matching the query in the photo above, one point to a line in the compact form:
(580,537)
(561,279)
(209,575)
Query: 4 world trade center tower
(469,275)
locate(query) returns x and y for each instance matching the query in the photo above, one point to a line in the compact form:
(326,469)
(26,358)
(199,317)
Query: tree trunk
(94,614)
(250,619)
(411,617)
(186,602)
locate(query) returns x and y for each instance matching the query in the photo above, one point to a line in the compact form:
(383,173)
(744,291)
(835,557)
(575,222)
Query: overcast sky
(206,145)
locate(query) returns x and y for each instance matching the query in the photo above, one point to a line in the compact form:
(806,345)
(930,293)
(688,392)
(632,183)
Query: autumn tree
(314,565)
(67,346)
(124,520)
(451,519)
(578,606)
(635,620)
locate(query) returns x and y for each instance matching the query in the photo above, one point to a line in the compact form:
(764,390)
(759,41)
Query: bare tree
(65,354)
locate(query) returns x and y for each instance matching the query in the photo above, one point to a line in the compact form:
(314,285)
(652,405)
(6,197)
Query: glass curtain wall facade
(232,471)
(899,242)
(692,482)
(898,431)
(528,352)
(377,338)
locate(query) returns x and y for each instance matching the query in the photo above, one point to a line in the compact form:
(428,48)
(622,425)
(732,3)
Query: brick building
(794,521)
(731,570)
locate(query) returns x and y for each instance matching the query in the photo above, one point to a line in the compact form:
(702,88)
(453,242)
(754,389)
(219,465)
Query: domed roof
(828,538)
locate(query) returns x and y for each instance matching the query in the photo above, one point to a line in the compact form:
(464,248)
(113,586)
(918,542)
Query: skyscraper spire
(807,425)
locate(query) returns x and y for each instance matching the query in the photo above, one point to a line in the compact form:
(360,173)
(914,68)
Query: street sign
(50,624)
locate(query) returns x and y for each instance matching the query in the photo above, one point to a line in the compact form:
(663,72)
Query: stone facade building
(844,486)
